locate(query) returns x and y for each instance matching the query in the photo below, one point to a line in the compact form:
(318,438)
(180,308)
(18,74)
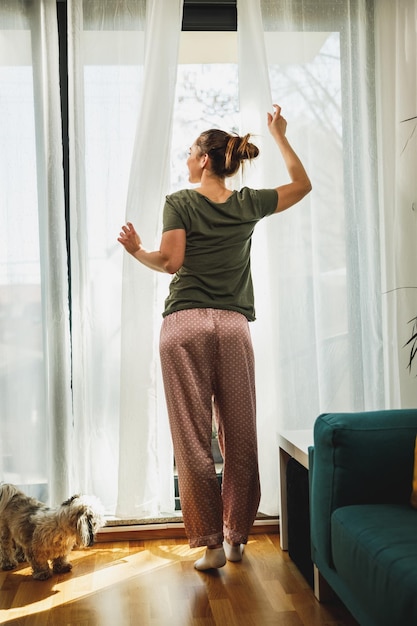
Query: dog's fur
(31,531)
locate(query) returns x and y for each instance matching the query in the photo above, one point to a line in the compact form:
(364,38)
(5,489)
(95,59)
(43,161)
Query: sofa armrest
(358,458)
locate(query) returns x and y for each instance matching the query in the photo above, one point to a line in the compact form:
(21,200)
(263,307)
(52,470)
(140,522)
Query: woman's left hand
(129,238)
(276,123)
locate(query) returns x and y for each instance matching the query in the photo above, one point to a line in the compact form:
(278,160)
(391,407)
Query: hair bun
(246,149)
(226,151)
(239,149)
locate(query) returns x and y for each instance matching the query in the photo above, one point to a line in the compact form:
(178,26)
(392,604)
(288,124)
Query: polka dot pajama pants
(208,369)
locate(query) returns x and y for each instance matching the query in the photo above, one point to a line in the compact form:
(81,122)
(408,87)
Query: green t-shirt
(216,272)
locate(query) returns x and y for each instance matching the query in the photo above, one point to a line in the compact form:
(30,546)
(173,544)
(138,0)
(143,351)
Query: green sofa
(363,528)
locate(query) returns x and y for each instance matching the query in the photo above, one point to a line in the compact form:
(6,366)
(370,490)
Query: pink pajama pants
(207,363)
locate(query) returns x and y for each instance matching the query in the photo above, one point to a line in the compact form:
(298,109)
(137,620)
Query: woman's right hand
(129,238)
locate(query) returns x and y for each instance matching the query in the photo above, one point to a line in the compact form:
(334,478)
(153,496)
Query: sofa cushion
(374,549)
(413,498)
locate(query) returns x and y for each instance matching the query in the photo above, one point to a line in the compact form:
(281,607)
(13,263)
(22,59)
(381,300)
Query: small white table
(292,444)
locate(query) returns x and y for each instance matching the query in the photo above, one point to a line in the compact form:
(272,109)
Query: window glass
(22,401)
(305,76)
(206,97)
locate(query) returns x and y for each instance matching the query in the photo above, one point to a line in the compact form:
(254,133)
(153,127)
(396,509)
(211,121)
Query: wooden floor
(154,583)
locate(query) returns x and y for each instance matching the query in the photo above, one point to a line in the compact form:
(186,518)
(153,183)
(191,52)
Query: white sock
(233,553)
(213,559)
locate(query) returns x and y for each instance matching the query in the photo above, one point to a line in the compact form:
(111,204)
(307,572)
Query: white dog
(31,531)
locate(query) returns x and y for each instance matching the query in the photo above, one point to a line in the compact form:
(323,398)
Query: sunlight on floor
(109,568)
(104,570)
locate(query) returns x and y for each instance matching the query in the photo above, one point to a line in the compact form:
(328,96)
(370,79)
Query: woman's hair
(226,151)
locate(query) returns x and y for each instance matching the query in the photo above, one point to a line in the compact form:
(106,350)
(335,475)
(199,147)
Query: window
(22,383)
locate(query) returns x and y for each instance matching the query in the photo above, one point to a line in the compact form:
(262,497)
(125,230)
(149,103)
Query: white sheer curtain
(146,457)
(317,267)
(34,332)
(396,70)
(329,296)
(122,69)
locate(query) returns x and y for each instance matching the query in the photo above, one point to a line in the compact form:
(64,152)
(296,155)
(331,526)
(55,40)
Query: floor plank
(154,583)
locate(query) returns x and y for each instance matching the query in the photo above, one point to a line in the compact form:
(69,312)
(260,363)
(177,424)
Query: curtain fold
(255,98)
(145,486)
(396,54)
(35,393)
(52,245)
(123,60)
(316,267)
(82,366)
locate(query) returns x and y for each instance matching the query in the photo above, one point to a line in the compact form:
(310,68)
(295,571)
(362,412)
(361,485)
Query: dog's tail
(7,492)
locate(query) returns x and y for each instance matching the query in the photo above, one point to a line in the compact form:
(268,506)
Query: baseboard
(169,530)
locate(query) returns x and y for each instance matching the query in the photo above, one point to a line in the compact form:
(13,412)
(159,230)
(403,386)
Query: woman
(205,346)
